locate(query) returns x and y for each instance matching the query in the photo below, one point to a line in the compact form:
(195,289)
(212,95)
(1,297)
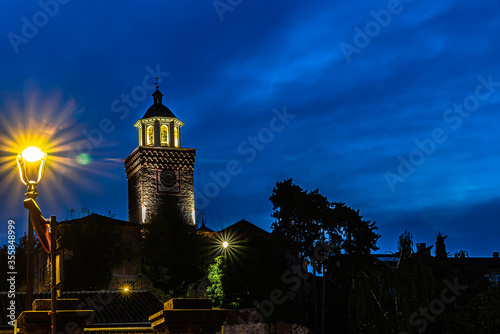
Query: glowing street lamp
(31,164)
(225,244)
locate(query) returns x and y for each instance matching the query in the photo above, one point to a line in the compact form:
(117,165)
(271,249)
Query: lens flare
(125,288)
(51,123)
(83,159)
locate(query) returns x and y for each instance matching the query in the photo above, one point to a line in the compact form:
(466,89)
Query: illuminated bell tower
(160,171)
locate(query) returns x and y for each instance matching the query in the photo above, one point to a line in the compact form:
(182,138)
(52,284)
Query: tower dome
(158,109)
(159,127)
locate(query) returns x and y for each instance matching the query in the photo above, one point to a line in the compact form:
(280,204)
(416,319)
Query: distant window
(149,136)
(176,136)
(165,136)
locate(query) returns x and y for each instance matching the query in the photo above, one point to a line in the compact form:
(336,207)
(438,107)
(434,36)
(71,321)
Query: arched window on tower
(176,136)
(140,136)
(165,136)
(150,136)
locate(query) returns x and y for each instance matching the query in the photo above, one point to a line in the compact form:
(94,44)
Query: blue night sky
(391,107)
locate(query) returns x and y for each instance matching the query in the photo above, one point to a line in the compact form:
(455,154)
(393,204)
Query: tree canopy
(307,218)
(173,253)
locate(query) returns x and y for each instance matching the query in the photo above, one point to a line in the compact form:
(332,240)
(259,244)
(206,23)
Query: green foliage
(215,290)
(173,253)
(95,250)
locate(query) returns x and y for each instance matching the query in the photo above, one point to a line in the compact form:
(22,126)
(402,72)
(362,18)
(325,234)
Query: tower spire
(157,95)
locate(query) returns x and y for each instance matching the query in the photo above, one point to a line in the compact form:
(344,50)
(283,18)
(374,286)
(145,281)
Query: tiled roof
(204,229)
(242,227)
(110,307)
(97,218)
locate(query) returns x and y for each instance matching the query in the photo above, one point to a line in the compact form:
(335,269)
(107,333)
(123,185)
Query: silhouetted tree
(173,253)
(441,253)
(311,222)
(294,217)
(461,254)
(304,218)
(405,244)
(359,237)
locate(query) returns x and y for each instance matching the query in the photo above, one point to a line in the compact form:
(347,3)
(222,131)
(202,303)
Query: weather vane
(156,83)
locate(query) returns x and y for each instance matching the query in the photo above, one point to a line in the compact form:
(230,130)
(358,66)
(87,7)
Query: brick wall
(141,167)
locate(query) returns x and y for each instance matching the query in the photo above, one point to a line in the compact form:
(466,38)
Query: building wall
(142,168)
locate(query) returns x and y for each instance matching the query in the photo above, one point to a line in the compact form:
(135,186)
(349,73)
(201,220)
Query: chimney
(421,247)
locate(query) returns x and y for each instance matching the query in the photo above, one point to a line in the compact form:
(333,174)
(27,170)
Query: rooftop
(111,307)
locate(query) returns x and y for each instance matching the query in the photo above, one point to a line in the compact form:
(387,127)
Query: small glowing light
(143,214)
(125,289)
(32,154)
(83,159)
(225,244)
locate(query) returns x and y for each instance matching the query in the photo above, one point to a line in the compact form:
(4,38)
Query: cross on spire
(156,82)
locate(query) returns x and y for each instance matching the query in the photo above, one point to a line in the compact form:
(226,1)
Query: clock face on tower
(168,181)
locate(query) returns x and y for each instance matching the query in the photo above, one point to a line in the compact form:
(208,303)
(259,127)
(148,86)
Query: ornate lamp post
(31,164)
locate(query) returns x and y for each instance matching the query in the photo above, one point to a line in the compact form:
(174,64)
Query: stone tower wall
(141,167)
